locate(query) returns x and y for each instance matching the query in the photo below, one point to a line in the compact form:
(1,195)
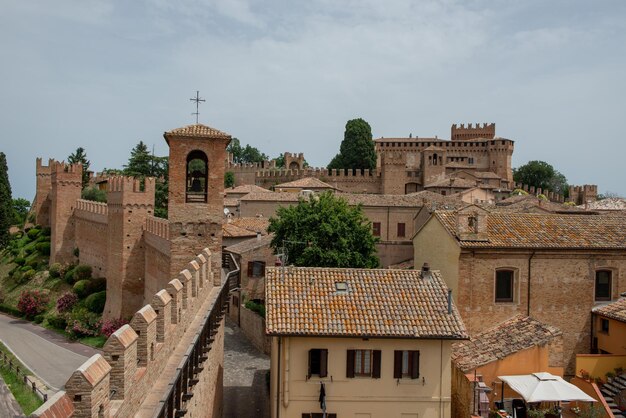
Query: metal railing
(180,390)
(8,362)
(233,275)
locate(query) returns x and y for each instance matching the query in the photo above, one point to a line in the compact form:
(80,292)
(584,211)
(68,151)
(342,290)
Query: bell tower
(196,194)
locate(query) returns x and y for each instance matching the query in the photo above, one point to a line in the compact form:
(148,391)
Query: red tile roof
(197,130)
(245,188)
(615,310)
(513,335)
(305,183)
(377,303)
(534,230)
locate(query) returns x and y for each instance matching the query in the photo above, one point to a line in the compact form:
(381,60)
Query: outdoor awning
(545,387)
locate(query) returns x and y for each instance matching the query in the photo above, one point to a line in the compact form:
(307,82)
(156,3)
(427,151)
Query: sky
(286,76)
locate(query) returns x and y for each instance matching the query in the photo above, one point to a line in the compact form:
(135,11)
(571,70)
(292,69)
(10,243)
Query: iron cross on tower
(197,99)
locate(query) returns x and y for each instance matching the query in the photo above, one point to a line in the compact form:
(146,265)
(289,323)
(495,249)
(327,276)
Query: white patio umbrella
(545,387)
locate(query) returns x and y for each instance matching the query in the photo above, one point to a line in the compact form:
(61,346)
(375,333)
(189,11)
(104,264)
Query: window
(603,285)
(401,229)
(363,363)
(504,286)
(376,229)
(406,364)
(470,160)
(604,325)
(318,362)
(197,177)
(256,269)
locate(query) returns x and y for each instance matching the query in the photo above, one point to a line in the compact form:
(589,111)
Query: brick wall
(91,231)
(253,326)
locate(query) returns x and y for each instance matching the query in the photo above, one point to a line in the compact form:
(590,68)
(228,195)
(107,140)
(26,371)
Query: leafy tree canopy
(79,156)
(94,194)
(247,154)
(140,161)
(229,179)
(6,202)
(280,162)
(324,231)
(357,148)
(21,207)
(541,174)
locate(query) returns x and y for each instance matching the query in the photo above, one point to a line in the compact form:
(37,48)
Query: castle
(163,274)
(404,165)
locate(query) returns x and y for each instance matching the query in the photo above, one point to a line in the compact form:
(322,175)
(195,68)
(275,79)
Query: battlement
(471,131)
(43,169)
(122,381)
(256,166)
(584,194)
(123,190)
(158,226)
(551,196)
(90,206)
(318,172)
(65,173)
(294,155)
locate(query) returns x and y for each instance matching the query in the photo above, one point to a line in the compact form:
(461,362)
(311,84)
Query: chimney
(258,236)
(426,272)
(449,301)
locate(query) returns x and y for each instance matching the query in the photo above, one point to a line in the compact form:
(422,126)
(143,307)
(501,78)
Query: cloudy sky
(286,76)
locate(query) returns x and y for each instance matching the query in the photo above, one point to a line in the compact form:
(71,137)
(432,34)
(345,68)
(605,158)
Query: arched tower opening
(197,177)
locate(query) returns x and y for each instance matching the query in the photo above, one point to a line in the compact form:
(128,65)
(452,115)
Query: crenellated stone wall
(91,231)
(140,359)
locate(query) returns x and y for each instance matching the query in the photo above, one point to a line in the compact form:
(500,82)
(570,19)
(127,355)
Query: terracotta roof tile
(233,231)
(377,303)
(197,130)
(516,334)
(615,310)
(254,224)
(306,183)
(456,182)
(250,244)
(534,230)
(521,203)
(245,188)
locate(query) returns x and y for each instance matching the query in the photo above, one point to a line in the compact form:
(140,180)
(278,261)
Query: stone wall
(66,184)
(140,359)
(353,181)
(91,231)
(157,255)
(253,326)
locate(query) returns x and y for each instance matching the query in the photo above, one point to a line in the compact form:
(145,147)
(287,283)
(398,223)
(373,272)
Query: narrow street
(245,372)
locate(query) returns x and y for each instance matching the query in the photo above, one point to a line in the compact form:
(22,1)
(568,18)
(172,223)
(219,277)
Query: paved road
(245,388)
(48,355)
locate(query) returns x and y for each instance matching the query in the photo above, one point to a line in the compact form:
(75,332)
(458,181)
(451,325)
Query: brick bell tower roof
(196,131)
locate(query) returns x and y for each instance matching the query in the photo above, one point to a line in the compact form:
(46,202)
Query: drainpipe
(278,380)
(441,379)
(528,295)
(286,367)
(591,330)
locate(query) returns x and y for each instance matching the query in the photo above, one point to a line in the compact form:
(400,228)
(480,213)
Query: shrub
(82,288)
(109,326)
(95,302)
(82,323)
(66,302)
(33,263)
(57,321)
(25,277)
(38,319)
(26,268)
(98,285)
(69,276)
(20,261)
(32,302)
(43,248)
(82,272)
(259,308)
(16,275)
(33,233)
(55,270)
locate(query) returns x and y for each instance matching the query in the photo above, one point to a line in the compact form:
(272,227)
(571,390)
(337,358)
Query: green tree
(280,161)
(324,231)
(247,154)
(6,202)
(140,163)
(229,179)
(541,174)
(94,194)
(21,207)
(357,148)
(80,157)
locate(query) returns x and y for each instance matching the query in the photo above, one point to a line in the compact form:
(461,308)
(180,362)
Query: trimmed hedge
(33,233)
(69,276)
(55,270)
(82,288)
(43,248)
(98,285)
(95,302)
(82,272)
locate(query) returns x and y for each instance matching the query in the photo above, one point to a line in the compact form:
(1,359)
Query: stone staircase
(611,390)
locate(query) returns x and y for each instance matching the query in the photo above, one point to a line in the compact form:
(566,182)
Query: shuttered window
(364,363)
(376,229)
(318,362)
(256,269)
(401,230)
(406,363)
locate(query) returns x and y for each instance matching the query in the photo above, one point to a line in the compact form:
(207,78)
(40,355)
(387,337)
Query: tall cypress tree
(6,201)
(357,148)
(79,156)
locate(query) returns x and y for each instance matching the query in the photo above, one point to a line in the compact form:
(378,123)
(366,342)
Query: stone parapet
(91,211)
(158,226)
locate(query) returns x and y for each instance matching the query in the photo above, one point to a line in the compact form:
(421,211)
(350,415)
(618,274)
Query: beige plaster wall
(427,396)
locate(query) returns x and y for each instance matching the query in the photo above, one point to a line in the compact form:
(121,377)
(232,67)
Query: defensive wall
(92,228)
(168,361)
(41,204)
(351,181)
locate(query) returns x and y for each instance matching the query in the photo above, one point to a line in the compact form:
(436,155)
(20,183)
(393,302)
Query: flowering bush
(66,301)
(109,326)
(82,323)
(32,302)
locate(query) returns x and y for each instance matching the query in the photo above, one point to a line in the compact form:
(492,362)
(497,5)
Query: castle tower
(393,171)
(500,152)
(196,194)
(41,206)
(128,207)
(294,161)
(461,132)
(65,189)
(433,164)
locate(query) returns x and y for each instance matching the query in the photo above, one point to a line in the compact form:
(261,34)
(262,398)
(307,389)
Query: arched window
(294,165)
(197,177)
(603,285)
(434,159)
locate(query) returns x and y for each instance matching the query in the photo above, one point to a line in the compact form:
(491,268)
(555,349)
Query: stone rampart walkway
(245,368)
